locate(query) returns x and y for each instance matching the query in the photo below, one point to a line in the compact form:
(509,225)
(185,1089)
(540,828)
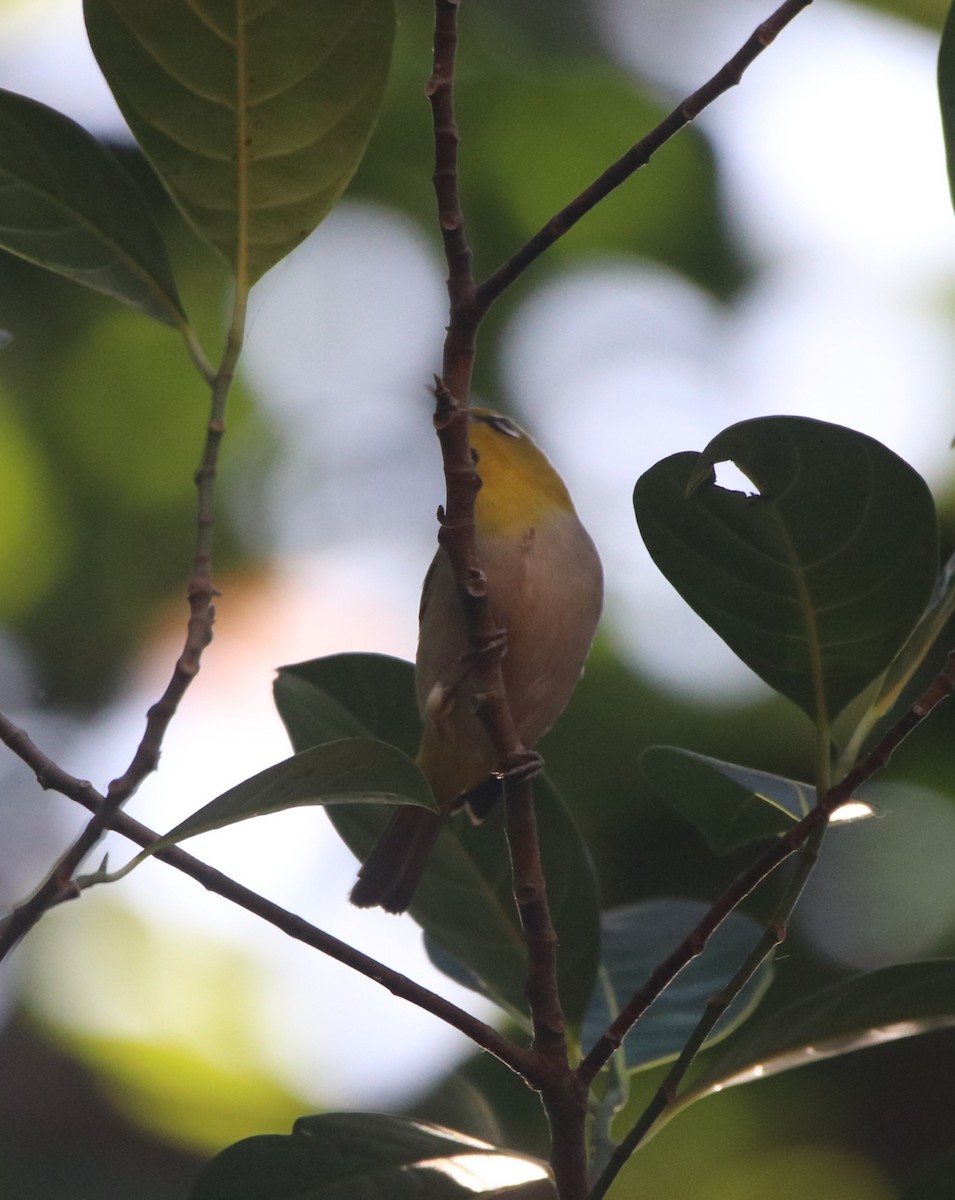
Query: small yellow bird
(545,585)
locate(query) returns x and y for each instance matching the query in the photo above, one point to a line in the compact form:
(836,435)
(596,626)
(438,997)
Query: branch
(59,886)
(666,1094)
(49,775)
(748,880)
(563,1097)
(636,157)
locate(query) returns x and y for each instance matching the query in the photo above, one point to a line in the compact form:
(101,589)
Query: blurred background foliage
(130,1051)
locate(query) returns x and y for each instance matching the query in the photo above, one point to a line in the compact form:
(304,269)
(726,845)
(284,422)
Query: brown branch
(563,1098)
(50,776)
(636,157)
(58,885)
(748,880)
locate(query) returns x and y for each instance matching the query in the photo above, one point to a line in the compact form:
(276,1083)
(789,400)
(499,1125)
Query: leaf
(369,1156)
(350,771)
(817,580)
(349,695)
(254,115)
(936,1182)
(946,93)
(868,1010)
(732,805)
(464,903)
(66,204)
(636,939)
(904,671)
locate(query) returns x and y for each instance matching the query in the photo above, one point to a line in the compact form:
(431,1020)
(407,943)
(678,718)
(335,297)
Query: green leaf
(946,92)
(354,771)
(66,204)
(935,1182)
(902,675)
(349,695)
(464,903)
(868,1010)
(369,1156)
(817,580)
(636,939)
(255,115)
(732,805)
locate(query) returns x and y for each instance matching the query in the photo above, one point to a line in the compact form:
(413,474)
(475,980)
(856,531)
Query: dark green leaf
(349,695)
(465,905)
(67,205)
(946,92)
(351,771)
(817,580)
(935,1182)
(867,1010)
(636,939)
(729,805)
(732,805)
(367,1156)
(464,902)
(255,116)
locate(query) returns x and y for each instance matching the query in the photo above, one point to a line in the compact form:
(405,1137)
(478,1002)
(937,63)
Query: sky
(831,155)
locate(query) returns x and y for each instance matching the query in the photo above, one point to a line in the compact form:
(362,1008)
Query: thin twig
(747,880)
(58,885)
(666,1094)
(49,775)
(636,157)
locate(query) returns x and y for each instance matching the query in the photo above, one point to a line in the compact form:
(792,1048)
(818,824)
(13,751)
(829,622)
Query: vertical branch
(564,1100)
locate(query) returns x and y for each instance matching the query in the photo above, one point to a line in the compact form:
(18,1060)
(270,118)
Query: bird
(545,587)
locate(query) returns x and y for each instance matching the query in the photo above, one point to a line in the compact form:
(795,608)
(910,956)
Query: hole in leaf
(731,479)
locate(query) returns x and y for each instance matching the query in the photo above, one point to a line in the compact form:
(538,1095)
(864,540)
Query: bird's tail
(391,872)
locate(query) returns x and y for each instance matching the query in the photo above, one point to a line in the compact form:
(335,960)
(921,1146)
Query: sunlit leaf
(464,902)
(254,115)
(66,204)
(868,1010)
(369,1156)
(818,578)
(636,939)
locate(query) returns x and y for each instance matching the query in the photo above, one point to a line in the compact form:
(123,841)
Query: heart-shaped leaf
(254,115)
(818,578)
(464,902)
(66,204)
(636,939)
(369,1156)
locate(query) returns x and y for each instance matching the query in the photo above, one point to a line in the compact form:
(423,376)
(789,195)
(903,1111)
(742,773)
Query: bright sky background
(832,155)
